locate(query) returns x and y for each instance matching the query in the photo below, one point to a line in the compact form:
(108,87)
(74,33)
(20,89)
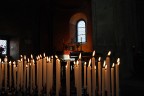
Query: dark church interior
(50,27)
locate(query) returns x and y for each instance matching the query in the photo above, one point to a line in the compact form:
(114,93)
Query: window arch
(81,31)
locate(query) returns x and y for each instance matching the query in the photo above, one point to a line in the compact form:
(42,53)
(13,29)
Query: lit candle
(48,76)
(14,73)
(0,75)
(21,70)
(89,78)
(93,74)
(18,74)
(24,86)
(108,73)
(57,76)
(28,73)
(51,84)
(112,79)
(85,75)
(5,62)
(80,74)
(37,63)
(40,75)
(106,85)
(99,76)
(33,67)
(44,70)
(103,80)
(68,77)
(10,75)
(117,77)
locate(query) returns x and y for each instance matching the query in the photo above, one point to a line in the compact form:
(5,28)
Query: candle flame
(66,66)
(5,59)
(95,67)
(24,57)
(10,62)
(28,60)
(89,62)
(104,63)
(99,59)
(21,56)
(52,57)
(118,61)
(56,56)
(26,66)
(109,53)
(0,59)
(106,67)
(44,54)
(40,56)
(31,56)
(113,65)
(74,62)
(80,56)
(14,62)
(84,63)
(93,53)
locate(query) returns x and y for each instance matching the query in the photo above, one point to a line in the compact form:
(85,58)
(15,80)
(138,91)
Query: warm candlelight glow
(118,61)
(44,54)
(104,64)
(10,62)
(109,53)
(31,56)
(89,62)
(24,57)
(95,67)
(84,63)
(0,59)
(80,56)
(56,56)
(93,53)
(113,65)
(21,56)
(5,59)
(99,59)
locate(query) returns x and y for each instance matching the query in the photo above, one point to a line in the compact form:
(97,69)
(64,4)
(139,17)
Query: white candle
(21,69)
(51,84)
(18,74)
(24,86)
(30,77)
(10,75)
(117,77)
(106,85)
(37,64)
(48,76)
(14,74)
(89,78)
(0,74)
(80,74)
(5,62)
(33,74)
(57,76)
(99,76)
(28,73)
(40,74)
(112,79)
(44,70)
(68,78)
(85,75)
(103,80)
(93,74)
(108,73)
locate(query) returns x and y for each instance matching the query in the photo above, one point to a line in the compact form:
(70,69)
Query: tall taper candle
(117,77)
(93,74)
(10,75)
(0,74)
(112,80)
(14,73)
(108,73)
(5,62)
(99,76)
(85,75)
(103,80)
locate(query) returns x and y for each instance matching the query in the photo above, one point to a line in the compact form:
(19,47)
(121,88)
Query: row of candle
(28,74)
(107,77)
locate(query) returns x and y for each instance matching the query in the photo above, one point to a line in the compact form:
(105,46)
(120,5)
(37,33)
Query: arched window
(81,31)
